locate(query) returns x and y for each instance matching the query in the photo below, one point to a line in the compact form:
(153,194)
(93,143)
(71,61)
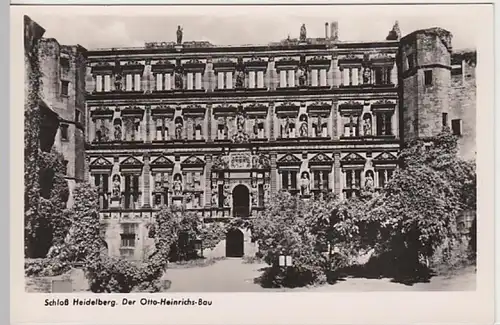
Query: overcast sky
(118,27)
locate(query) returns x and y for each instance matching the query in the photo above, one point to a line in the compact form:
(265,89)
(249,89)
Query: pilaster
(147,125)
(208,183)
(336,131)
(273,157)
(208,128)
(272,121)
(336,75)
(146,182)
(336,173)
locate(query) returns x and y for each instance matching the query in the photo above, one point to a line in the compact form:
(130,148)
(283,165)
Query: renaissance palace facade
(218,129)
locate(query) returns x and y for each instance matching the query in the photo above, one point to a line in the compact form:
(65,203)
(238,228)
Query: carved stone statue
(305,184)
(226,129)
(116,186)
(367,125)
(197,181)
(118,132)
(302,75)
(240,122)
(178,80)
(303,130)
(177,185)
(179,35)
(240,77)
(266,193)
(369,181)
(303,32)
(118,82)
(178,131)
(366,75)
(215,199)
(256,128)
(319,127)
(286,127)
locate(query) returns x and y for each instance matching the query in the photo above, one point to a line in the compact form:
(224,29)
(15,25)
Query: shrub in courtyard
(417,211)
(308,231)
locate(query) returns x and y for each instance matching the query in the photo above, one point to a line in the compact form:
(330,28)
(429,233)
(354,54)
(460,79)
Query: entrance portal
(234,243)
(241,202)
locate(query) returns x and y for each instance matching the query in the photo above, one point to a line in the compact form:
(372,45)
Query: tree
(417,211)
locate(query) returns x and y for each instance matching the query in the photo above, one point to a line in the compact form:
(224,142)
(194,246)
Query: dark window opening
(445,120)
(456,127)
(411,61)
(428,77)
(78,115)
(64,62)
(64,132)
(64,88)
(261,195)
(128,235)
(221,195)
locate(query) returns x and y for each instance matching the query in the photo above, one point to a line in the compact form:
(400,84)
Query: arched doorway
(241,202)
(234,243)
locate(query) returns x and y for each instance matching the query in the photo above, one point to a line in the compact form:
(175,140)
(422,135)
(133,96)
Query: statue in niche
(118,81)
(256,128)
(98,136)
(367,125)
(178,130)
(303,129)
(302,75)
(319,127)
(286,127)
(240,77)
(178,80)
(226,129)
(266,192)
(240,123)
(366,75)
(305,184)
(227,196)
(177,185)
(116,186)
(118,132)
(104,133)
(179,35)
(303,33)
(369,181)
(215,199)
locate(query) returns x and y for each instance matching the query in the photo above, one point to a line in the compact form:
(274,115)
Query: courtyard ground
(233,275)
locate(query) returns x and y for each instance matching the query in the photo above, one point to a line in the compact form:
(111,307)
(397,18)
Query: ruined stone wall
(463,103)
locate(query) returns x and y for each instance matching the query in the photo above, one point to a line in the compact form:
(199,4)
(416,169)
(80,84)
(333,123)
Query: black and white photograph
(293,152)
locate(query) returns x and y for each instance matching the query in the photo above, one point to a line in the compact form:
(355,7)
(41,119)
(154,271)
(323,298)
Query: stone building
(62,71)
(220,128)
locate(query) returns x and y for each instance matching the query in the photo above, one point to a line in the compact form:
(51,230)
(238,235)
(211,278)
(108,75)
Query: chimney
(326,30)
(334,31)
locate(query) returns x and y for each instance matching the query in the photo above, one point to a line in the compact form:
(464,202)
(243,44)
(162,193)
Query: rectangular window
(64,88)
(78,115)
(131,191)
(261,195)
(379,76)
(317,180)
(64,132)
(221,194)
(456,127)
(128,235)
(64,63)
(293,179)
(348,179)
(445,120)
(428,77)
(411,61)
(284,180)
(325,185)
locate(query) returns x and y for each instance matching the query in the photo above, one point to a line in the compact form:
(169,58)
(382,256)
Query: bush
(45,267)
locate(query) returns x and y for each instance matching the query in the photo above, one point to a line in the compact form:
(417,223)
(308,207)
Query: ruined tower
(425,66)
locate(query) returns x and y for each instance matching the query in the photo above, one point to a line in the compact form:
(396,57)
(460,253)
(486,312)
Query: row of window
(251,79)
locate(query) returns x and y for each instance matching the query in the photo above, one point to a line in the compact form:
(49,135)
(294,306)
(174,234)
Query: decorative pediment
(385,158)
(163,66)
(133,66)
(381,59)
(256,62)
(164,110)
(225,109)
(289,160)
(102,111)
(194,109)
(351,107)
(194,61)
(162,162)
(131,163)
(287,108)
(322,108)
(103,67)
(384,103)
(350,58)
(192,161)
(220,162)
(101,163)
(321,159)
(194,64)
(287,62)
(133,110)
(319,60)
(132,63)
(353,158)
